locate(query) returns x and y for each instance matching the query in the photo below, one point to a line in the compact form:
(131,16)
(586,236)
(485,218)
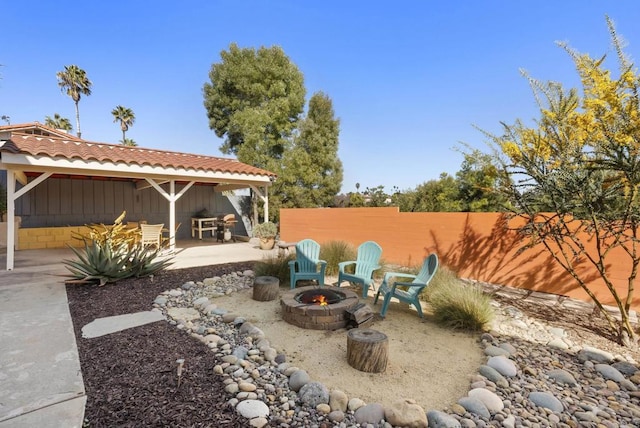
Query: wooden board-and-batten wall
(50,211)
(474,245)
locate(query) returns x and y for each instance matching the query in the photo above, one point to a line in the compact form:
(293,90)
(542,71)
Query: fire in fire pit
(318,308)
(319,297)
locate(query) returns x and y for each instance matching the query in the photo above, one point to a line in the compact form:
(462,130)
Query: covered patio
(32,153)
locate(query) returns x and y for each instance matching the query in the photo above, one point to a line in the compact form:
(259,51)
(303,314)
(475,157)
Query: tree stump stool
(265,288)
(367,350)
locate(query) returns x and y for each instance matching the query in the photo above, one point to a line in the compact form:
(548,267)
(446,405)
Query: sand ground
(427,363)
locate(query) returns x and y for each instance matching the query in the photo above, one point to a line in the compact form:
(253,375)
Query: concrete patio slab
(67,414)
(39,365)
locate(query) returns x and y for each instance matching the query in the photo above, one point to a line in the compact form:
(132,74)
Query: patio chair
(151,234)
(412,294)
(307,264)
(366,263)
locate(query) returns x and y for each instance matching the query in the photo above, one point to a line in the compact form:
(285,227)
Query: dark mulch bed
(130,377)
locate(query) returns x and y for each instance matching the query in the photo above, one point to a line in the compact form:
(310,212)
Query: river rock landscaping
(209,367)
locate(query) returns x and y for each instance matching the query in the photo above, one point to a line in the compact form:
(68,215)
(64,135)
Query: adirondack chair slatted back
(425,275)
(307,264)
(307,255)
(369,254)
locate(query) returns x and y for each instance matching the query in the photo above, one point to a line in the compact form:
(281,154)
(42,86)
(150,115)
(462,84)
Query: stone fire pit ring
(316,317)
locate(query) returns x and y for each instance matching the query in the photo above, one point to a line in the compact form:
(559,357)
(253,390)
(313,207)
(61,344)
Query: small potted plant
(266,232)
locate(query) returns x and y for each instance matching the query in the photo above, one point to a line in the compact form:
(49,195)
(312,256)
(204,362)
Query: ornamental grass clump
(444,277)
(461,306)
(334,252)
(277,266)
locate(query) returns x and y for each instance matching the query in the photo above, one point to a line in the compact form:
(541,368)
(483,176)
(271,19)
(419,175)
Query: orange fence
(475,245)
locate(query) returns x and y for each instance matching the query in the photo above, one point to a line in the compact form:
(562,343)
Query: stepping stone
(108,325)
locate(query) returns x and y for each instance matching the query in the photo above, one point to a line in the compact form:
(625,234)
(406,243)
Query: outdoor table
(202,225)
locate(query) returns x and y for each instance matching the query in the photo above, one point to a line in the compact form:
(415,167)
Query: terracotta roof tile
(73,148)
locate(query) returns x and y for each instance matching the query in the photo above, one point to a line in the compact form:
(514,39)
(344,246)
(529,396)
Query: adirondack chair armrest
(342,265)
(390,275)
(292,264)
(408,284)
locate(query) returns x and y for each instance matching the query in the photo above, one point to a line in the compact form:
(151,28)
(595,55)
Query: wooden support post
(265,288)
(367,350)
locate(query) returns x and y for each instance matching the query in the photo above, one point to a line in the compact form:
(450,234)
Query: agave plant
(110,254)
(109,263)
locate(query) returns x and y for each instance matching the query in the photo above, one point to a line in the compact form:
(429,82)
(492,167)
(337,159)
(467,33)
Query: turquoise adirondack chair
(307,264)
(366,263)
(412,295)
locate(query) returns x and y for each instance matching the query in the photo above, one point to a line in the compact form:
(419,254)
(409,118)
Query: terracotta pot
(267,243)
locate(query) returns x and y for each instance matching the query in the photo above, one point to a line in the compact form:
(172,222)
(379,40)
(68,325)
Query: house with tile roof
(54,179)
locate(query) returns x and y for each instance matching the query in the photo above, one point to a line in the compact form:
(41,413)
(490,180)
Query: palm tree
(129,142)
(58,122)
(74,80)
(126,118)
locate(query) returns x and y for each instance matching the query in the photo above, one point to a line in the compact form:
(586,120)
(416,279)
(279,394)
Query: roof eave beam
(140,185)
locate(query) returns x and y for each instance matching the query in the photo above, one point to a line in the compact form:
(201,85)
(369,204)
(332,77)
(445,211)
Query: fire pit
(323,308)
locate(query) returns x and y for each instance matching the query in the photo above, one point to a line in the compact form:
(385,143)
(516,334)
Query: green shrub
(265,230)
(335,252)
(111,253)
(461,306)
(277,266)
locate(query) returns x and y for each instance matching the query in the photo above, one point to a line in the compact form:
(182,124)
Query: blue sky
(408,79)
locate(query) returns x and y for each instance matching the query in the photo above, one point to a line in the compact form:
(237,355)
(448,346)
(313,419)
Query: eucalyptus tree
(58,122)
(312,172)
(254,101)
(75,82)
(126,117)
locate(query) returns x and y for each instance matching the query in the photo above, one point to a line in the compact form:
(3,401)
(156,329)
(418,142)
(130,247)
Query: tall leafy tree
(582,160)
(312,173)
(441,195)
(126,117)
(75,82)
(479,180)
(254,101)
(58,122)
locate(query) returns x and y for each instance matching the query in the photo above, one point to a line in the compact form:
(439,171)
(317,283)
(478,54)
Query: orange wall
(475,245)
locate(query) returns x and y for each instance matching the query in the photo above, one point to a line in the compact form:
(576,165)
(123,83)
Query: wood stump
(265,288)
(367,350)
